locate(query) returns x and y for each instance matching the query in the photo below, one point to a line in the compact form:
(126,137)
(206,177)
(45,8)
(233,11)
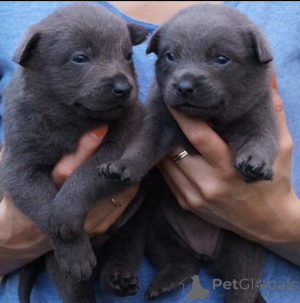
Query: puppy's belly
(202,237)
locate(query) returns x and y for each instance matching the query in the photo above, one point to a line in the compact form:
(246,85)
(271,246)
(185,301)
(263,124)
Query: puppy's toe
(253,168)
(76,258)
(268,174)
(104,169)
(159,287)
(115,171)
(64,230)
(81,268)
(123,283)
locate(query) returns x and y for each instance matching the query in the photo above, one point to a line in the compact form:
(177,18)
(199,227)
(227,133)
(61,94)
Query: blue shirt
(280,22)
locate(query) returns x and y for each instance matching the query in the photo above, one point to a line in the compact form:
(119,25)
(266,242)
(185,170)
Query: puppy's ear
(27,46)
(261,46)
(153,44)
(138,34)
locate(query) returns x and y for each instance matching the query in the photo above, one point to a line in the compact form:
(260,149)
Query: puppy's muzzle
(185,87)
(188,82)
(121,86)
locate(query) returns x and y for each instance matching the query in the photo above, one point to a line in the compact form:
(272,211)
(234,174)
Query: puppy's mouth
(97,110)
(200,106)
(105,112)
(201,111)
(192,106)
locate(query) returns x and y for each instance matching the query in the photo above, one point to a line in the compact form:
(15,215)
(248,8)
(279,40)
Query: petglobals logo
(252,284)
(197,291)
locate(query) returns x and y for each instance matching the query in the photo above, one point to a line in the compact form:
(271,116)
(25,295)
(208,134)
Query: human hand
(104,213)
(208,185)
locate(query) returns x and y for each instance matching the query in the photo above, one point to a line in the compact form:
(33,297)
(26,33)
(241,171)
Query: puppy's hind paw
(159,287)
(123,283)
(118,278)
(116,171)
(76,259)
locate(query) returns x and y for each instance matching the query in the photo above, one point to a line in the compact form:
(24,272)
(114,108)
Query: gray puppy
(75,73)
(213,64)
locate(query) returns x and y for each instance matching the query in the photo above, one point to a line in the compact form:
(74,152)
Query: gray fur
(52,101)
(234,98)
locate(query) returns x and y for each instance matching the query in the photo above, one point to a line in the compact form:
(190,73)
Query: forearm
(287,245)
(289,251)
(12,258)
(20,242)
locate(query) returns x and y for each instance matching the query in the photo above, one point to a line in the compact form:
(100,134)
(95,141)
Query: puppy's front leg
(254,160)
(31,191)
(254,144)
(158,134)
(69,210)
(152,144)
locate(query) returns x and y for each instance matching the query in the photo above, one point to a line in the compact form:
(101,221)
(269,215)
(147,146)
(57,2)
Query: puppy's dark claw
(253,168)
(115,171)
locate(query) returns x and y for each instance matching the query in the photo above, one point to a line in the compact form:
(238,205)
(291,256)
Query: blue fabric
(280,22)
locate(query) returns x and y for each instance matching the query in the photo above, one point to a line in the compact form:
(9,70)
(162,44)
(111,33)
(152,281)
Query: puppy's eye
(80,59)
(129,56)
(170,56)
(221,59)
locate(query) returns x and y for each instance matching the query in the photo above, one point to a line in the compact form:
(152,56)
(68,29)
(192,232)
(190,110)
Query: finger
(193,201)
(105,213)
(284,134)
(87,146)
(169,179)
(206,141)
(186,192)
(123,200)
(209,181)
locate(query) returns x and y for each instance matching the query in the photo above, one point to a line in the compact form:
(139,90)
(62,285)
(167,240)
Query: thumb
(87,146)
(205,140)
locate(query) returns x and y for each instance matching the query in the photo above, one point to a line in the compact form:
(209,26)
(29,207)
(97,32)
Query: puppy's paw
(119,171)
(253,167)
(120,281)
(160,285)
(76,259)
(64,228)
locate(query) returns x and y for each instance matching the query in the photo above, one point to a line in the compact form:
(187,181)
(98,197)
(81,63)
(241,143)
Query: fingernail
(274,85)
(98,132)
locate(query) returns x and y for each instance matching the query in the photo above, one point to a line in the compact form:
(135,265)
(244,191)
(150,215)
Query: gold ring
(179,157)
(116,203)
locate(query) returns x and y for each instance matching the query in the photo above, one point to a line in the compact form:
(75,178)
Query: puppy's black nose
(185,87)
(122,88)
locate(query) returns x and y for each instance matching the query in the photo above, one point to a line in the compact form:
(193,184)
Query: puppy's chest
(48,144)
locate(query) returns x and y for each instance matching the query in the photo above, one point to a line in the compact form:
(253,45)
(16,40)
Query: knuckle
(63,171)
(196,137)
(211,192)
(228,174)
(194,202)
(287,145)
